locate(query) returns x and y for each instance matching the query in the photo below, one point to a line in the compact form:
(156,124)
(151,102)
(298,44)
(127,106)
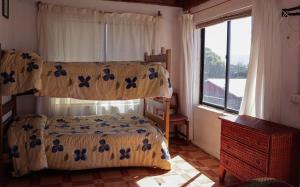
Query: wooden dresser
(253,148)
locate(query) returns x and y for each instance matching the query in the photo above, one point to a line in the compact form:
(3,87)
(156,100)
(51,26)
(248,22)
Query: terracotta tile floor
(191,167)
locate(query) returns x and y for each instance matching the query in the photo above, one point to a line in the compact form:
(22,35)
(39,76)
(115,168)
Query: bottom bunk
(38,142)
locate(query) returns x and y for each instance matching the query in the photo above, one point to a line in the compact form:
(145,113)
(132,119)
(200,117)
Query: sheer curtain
(263,86)
(190,67)
(130,35)
(69,34)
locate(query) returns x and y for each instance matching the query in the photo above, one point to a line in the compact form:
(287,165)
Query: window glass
(214,64)
(239,59)
(215,49)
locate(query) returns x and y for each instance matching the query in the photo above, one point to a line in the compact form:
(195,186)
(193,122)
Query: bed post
(167,119)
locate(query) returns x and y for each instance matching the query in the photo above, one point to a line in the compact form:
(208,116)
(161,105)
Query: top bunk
(25,72)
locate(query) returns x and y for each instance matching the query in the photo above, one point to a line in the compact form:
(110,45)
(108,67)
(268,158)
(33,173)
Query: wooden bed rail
(163,57)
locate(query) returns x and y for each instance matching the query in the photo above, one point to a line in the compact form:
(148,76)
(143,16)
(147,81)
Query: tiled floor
(191,167)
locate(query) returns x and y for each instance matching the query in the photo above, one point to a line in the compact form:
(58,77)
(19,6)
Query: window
(225,52)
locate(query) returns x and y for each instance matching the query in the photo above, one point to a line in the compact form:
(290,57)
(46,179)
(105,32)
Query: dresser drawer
(251,156)
(239,168)
(246,136)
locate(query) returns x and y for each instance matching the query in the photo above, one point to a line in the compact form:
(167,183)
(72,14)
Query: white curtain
(69,34)
(130,35)
(190,68)
(263,86)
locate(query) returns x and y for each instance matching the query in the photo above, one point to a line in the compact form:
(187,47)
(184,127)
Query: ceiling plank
(176,3)
(188,4)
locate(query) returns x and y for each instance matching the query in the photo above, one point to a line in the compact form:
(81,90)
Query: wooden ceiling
(185,4)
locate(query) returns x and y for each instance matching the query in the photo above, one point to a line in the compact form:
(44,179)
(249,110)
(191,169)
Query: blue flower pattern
(124,125)
(103,146)
(80,154)
(56,146)
(140,131)
(152,73)
(26,56)
(131,83)
(32,66)
(125,154)
(34,141)
(59,71)
(27,127)
(84,81)
(8,78)
(146,145)
(107,75)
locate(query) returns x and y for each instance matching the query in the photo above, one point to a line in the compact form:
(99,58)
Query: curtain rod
(158,12)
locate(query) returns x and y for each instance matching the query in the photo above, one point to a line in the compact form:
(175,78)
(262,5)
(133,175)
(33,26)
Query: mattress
(76,143)
(22,71)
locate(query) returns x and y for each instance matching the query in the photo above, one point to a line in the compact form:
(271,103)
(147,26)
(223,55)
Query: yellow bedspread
(22,71)
(73,143)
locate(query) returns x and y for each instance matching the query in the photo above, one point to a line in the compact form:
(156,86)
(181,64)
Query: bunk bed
(39,142)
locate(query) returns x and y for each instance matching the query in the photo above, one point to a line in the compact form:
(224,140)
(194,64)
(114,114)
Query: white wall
(19,31)
(208,127)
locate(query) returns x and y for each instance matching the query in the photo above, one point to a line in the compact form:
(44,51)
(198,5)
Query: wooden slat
(9,106)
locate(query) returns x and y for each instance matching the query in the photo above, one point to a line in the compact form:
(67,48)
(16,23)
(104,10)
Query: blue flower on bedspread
(103,146)
(125,153)
(26,56)
(32,66)
(34,141)
(146,145)
(165,154)
(14,152)
(61,120)
(27,127)
(8,78)
(141,121)
(84,127)
(124,125)
(104,124)
(107,75)
(56,146)
(152,73)
(140,131)
(80,154)
(98,120)
(131,83)
(84,82)
(59,71)
(169,82)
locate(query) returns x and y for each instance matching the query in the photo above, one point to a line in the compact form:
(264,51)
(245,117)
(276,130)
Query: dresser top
(264,126)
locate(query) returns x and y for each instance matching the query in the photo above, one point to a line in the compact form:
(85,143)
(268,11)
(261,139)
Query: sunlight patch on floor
(182,174)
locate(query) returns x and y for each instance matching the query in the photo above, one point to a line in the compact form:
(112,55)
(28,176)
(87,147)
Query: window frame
(227,69)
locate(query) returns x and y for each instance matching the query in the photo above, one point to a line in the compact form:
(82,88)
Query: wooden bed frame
(164,124)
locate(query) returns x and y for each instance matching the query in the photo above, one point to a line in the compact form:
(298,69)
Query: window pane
(214,64)
(239,60)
